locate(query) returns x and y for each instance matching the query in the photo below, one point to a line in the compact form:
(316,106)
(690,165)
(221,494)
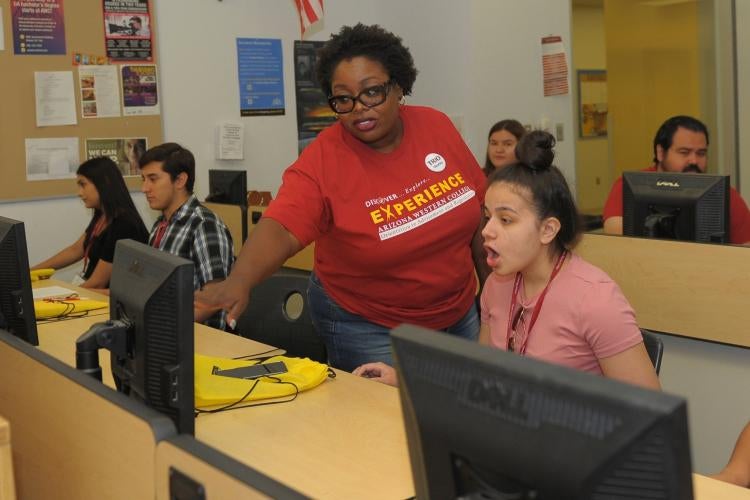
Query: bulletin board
(84,34)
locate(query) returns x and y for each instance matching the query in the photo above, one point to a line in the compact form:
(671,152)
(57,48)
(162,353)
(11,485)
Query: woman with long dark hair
(101,188)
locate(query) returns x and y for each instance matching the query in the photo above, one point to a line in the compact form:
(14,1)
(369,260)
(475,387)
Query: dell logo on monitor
(671,184)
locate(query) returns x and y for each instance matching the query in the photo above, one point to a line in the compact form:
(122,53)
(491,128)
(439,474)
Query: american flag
(310,11)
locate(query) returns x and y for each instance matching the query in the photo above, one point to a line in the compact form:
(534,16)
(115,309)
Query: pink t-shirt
(584,317)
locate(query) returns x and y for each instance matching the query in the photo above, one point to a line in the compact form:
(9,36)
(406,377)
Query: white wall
(478,61)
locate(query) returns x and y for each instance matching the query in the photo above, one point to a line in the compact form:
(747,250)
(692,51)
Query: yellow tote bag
(213,390)
(59,308)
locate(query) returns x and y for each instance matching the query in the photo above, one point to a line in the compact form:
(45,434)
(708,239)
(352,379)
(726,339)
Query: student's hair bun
(535,150)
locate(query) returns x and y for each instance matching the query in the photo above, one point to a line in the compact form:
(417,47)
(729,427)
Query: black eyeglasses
(369,97)
(516,333)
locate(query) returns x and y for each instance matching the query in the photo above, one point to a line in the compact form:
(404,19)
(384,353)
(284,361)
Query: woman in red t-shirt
(391,196)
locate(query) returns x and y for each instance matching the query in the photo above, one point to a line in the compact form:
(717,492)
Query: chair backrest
(278,315)
(654,347)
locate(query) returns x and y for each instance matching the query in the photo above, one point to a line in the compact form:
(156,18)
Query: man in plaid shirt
(185,228)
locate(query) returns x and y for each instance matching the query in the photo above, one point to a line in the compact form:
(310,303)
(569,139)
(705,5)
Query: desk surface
(343,439)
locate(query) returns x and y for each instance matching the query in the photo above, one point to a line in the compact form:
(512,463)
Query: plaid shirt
(196,233)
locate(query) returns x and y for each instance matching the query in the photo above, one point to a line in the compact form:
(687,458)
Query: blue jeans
(352,340)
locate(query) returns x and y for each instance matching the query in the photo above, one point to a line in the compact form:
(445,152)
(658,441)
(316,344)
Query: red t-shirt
(739,215)
(392,230)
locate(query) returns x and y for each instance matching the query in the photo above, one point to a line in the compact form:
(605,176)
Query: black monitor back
(227,186)
(482,419)
(16,298)
(153,291)
(696,206)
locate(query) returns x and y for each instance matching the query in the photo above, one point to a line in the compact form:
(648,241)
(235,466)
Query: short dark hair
(174,159)
(372,42)
(549,190)
(114,197)
(665,134)
(514,127)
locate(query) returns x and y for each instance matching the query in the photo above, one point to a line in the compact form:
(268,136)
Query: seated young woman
(501,145)
(102,189)
(542,300)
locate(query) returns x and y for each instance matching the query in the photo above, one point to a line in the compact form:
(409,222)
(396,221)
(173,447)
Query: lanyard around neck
(537,307)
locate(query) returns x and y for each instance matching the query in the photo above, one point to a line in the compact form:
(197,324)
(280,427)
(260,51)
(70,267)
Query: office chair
(278,315)
(654,347)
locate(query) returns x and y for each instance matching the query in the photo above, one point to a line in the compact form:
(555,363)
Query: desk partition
(72,436)
(695,290)
(186,465)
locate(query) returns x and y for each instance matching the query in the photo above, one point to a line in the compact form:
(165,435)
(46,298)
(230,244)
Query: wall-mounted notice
(127,30)
(51,158)
(139,90)
(126,152)
(100,91)
(230,138)
(38,27)
(261,76)
(554,66)
(55,98)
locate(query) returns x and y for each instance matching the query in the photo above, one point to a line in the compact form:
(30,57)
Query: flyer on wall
(261,74)
(100,91)
(127,30)
(126,152)
(139,89)
(38,27)
(313,112)
(51,158)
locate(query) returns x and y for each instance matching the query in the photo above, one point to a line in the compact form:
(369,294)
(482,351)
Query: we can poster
(127,30)
(126,152)
(38,27)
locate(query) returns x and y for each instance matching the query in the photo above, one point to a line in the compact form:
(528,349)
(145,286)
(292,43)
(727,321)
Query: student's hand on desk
(379,372)
(228,295)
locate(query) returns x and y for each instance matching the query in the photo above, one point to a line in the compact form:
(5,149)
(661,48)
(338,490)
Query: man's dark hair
(372,42)
(175,160)
(665,134)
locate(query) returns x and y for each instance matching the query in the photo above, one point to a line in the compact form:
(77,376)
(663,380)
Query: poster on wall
(100,91)
(51,158)
(38,27)
(126,152)
(261,76)
(55,100)
(592,103)
(127,30)
(140,95)
(313,112)
(554,66)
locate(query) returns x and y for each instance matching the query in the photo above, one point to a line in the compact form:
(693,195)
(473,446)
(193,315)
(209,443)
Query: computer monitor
(690,207)
(149,333)
(16,299)
(481,421)
(227,186)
